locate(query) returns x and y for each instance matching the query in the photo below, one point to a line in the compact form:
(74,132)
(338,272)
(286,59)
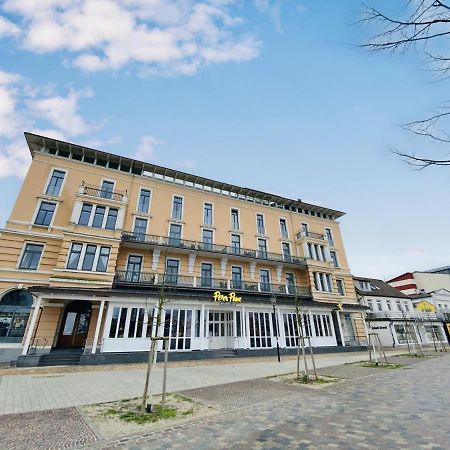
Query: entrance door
(75,324)
(220,329)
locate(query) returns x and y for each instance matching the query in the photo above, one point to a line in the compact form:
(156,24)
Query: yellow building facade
(94,238)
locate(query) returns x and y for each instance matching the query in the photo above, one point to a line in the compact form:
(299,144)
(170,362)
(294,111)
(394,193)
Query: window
(290,283)
(379,305)
(260,332)
(262,248)
(283,229)
(98,216)
(140,228)
(111,219)
(177,208)
(55,183)
(406,306)
(45,214)
(144,201)
(207,239)
(74,256)
(89,256)
(389,305)
(134,266)
(103,257)
(208,214)
(175,234)
(106,189)
(85,215)
(235,244)
(334,260)
(364,285)
(235,219)
(305,229)
(236,277)
(264,278)
(178,327)
(286,251)
(206,274)
(260,224)
(322,282)
(329,236)
(172,268)
(340,287)
(399,305)
(31,256)
(370,305)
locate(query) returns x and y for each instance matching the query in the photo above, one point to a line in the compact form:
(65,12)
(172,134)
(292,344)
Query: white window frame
(341,282)
(264,223)
(337,265)
(182,207)
(37,211)
(142,188)
(49,177)
(231,219)
(140,218)
(212,214)
(287,228)
(83,254)
(333,242)
(22,251)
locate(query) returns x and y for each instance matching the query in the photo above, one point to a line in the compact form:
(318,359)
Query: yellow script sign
(231,297)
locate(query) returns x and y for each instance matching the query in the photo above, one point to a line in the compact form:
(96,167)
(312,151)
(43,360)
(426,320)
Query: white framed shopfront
(207,325)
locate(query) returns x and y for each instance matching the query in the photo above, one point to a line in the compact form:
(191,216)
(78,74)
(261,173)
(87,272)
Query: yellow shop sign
(230,298)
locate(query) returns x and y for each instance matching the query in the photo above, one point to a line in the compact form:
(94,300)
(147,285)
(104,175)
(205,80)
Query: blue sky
(268,94)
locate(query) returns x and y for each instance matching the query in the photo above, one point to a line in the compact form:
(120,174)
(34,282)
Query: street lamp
(273,300)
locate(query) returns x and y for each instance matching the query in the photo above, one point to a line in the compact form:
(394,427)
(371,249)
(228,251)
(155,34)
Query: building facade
(412,283)
(94,239)
(392,316)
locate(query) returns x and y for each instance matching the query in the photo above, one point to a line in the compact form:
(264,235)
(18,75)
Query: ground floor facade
(397,333)
(122,323)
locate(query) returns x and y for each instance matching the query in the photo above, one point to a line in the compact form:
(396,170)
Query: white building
(392,316)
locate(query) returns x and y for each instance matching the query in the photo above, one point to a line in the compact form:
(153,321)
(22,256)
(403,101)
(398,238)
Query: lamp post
(273,300)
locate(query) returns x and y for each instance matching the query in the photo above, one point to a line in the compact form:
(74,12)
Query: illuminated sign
(230,298)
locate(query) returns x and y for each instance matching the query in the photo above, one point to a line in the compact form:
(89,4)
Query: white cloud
(159,36)
(7,28)
(63,113)
(25,107)
(273,9)
(145,150)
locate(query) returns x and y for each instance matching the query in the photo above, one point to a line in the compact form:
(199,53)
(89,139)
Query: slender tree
(423,25)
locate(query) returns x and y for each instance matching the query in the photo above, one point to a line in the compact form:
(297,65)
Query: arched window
(15,308)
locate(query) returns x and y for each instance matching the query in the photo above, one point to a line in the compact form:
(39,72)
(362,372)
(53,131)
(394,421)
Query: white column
(156,253)
(192,257)
(247,334)
(120,219)
(252,266)
(312,328)
(26,345)
(282,338)
(235,345)
(223,267)
(76,211)
(202,328)
(207,328)
(97,326)
(279,271)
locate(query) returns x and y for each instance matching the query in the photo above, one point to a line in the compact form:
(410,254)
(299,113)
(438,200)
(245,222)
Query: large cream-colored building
(93,237)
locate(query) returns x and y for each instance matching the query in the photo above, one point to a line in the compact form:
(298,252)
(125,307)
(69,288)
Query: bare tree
(423,25)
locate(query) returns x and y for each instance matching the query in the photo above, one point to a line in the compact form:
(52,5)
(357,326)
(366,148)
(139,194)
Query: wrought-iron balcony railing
(210,247)
(309,234)
(174,280)
(97,191)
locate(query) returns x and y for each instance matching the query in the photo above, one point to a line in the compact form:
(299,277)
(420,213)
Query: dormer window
(364,285)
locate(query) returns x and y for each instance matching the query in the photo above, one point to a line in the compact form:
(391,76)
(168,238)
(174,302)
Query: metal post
(166,358)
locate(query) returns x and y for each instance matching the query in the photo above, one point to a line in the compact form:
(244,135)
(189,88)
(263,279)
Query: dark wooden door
(75,325)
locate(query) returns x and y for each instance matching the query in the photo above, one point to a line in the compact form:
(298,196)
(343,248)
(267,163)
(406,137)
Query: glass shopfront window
(15,308)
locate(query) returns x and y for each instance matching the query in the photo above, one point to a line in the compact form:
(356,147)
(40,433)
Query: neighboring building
(93,237)
(392,316)
(411,283)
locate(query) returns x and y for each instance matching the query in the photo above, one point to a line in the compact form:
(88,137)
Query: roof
(441,270)
(379,288)
(43,144)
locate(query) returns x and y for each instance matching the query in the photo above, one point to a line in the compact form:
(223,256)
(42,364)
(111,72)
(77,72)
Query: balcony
(309,235)
(223,250)
(142,279)
(98,192)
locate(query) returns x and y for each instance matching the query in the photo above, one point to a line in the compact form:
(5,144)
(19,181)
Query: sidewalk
(35,392)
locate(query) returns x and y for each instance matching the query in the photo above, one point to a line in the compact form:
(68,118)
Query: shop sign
(230,298)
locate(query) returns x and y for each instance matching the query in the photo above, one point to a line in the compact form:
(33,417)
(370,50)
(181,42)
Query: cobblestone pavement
(55,429)
(391,409)
(42,391)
